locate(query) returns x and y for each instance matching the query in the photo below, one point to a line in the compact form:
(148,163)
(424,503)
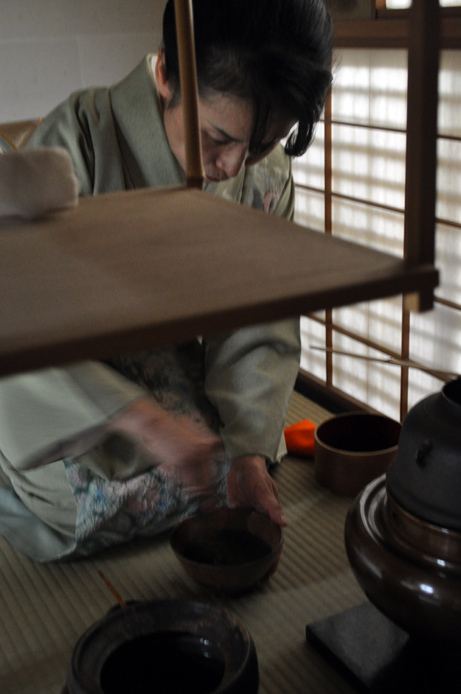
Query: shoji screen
(351,183)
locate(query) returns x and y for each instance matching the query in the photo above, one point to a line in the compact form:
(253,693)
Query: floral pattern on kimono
(114,511)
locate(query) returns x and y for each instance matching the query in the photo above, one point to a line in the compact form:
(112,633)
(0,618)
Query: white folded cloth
(34,182)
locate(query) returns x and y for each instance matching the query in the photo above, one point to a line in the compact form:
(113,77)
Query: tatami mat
(45,608)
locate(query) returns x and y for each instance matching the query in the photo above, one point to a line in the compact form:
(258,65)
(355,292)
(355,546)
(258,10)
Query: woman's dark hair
(274,53)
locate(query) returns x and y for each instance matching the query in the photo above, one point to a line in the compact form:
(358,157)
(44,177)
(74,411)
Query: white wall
(49,48)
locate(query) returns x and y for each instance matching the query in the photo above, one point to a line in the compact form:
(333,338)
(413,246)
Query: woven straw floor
(45,608)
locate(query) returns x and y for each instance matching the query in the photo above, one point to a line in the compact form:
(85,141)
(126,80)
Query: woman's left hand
(250,485)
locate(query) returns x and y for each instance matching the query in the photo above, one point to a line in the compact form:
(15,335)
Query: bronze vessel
(403,531)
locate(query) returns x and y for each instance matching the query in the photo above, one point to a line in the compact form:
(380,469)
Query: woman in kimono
(97,453)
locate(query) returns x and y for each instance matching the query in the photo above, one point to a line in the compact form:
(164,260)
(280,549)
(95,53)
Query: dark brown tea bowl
(229,550)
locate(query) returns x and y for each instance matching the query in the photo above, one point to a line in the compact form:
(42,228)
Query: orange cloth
(299,438)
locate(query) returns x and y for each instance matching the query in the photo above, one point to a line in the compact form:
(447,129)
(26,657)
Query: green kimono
(53,447)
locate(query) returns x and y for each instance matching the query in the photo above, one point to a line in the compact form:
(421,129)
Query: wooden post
(328,227)
(421,160)
(189,92)
(421,154)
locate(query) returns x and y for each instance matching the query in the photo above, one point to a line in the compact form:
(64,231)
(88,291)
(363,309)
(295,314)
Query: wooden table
(128,270)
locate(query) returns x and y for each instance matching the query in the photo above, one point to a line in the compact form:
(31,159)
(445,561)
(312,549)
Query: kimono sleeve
(250,373)
(53,413)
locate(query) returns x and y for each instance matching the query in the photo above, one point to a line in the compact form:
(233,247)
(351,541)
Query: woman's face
(225,128)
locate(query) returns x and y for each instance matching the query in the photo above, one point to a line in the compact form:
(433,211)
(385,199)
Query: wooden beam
(393,31)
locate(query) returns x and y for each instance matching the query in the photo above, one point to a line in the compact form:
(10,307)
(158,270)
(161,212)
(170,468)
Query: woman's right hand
(184,449)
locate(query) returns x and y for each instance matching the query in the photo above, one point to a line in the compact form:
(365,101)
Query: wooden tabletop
(125,271)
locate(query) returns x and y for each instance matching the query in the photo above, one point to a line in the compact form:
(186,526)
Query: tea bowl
(228,550)
(352,449)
